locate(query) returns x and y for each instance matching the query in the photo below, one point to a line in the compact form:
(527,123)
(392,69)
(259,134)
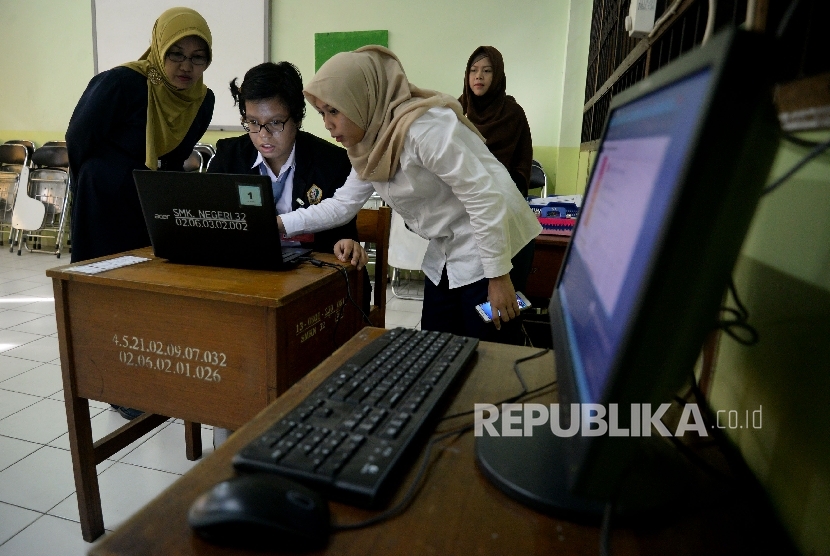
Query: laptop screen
(211,219)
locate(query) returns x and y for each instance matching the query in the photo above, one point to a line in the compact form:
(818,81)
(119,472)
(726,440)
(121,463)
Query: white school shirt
(284,202)
(450,190)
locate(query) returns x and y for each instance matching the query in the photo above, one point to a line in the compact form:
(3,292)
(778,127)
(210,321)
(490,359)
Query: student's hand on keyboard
(349,250)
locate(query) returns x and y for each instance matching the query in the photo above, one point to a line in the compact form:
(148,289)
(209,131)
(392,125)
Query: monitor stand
(534,471)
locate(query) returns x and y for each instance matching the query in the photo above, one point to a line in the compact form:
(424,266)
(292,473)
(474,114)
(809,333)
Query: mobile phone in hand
(486,313)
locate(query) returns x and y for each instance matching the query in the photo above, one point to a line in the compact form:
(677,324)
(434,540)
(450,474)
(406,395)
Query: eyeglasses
(271,127)
(178,57)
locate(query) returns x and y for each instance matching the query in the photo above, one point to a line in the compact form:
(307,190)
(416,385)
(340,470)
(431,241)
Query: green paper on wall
(327,45)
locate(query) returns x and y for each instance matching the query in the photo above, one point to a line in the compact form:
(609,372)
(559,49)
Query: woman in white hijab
(429,163)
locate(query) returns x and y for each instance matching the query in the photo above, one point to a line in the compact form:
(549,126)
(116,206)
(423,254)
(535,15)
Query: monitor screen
(623,219)
(679,170)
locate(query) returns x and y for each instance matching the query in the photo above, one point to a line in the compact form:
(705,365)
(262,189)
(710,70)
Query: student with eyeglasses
(143,114)
(303,168)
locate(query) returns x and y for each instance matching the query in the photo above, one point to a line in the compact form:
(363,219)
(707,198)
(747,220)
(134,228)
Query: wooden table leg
(193,440)
(81,446)
(83,465)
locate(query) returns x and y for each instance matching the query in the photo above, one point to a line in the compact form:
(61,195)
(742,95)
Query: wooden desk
(204,344)
(457,511)
(547,259)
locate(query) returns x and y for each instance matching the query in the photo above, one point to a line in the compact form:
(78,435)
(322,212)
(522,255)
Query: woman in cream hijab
(144,114)
(428,162)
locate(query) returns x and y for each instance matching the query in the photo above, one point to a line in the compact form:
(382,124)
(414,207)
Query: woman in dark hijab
(496,115)
(145,114)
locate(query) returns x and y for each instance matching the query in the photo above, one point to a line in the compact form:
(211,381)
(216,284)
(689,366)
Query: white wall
(433,39)
(47,61)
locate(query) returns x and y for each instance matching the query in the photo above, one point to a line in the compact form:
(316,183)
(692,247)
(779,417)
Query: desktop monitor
(678,173)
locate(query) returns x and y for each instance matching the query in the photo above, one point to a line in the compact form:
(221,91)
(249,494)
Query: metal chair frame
(195,162)
(538,167)
(207,151)
(14,156)
(30,147)
(409,259)
(55,204)
(52,169)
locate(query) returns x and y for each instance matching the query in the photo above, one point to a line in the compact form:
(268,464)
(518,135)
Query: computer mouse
(261,510)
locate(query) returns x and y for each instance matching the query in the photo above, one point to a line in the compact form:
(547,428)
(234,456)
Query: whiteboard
(121,32)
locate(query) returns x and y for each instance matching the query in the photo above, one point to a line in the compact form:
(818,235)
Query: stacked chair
(195,162)
(13,158)
(48,186)
(30,146)
(199,158)
(207,151)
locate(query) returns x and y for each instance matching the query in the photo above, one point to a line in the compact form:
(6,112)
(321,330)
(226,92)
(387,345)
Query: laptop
(213,219)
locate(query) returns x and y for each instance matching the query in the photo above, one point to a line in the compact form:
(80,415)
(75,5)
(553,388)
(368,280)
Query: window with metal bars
(616,61)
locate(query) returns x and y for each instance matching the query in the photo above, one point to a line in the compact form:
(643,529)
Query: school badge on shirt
(314,195)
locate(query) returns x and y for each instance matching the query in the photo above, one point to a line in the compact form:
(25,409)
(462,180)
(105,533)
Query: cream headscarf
(170,112)
(370,88)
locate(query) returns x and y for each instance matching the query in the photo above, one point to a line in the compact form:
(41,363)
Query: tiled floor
(38,506)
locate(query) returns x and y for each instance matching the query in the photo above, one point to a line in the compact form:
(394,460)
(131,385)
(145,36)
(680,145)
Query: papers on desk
(109,264)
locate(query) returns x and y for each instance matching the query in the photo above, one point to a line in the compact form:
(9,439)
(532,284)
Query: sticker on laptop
(250,195)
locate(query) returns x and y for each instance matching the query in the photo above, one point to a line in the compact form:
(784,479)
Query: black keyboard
(351,437)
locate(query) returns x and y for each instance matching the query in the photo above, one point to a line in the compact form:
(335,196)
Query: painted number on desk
(155,363)
(199,371)
(170,358)
(309,327)
(137,344)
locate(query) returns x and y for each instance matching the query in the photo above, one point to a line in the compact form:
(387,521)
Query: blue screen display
(489,312)
(636,178)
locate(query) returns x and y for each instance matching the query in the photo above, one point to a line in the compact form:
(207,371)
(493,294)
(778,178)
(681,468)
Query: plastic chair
(13,158)
(28,213)
(538,178)
(373,227)
(406,251)
(49,183)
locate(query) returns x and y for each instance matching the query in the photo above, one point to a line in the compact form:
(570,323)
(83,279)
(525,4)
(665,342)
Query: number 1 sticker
(250,195)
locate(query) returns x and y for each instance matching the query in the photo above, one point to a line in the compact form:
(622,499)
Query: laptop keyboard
(353,436)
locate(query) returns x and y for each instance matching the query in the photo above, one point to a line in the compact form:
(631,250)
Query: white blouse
(450,190)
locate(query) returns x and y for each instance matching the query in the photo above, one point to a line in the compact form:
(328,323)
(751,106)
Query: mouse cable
(817,150)
(521,380)
(407,499)
(318,263)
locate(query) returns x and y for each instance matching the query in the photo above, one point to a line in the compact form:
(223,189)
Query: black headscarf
(500,119)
